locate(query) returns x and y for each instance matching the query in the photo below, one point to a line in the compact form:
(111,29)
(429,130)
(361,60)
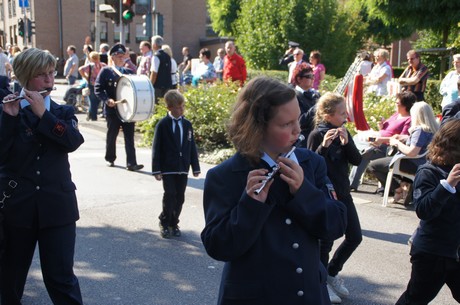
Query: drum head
(137,94)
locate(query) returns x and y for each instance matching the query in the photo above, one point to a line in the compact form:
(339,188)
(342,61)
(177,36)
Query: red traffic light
(128,2)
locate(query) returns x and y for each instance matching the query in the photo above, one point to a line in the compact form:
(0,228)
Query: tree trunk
(445,35)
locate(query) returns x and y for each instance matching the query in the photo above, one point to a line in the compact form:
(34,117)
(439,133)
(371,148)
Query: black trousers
(173,199)
(159,93)
(56,248)
(380,168)
(353,237)
(113,128)
(429,273)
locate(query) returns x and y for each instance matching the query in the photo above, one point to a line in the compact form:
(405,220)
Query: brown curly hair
(444,149)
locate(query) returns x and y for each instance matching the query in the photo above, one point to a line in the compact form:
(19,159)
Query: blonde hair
(94,56)
(326,106)
(422,116)
(167,50)
(31,62)
(174,98)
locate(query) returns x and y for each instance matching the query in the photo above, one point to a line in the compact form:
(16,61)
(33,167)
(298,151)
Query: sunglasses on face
(310,76)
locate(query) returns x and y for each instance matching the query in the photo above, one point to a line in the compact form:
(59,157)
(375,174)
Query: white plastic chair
(395,170)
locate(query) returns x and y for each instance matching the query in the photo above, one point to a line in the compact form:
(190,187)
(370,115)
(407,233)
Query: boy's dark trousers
(429,273)
(173,198)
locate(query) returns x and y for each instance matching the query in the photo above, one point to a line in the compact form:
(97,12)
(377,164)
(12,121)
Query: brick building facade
(59,23)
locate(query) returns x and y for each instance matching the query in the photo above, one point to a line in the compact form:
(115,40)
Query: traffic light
(128,12)
(115,16)
(21,27)
(30,29)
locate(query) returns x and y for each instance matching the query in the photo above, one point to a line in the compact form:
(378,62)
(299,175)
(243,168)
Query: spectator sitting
(206,70)
(423,127)
(398,123)
(380,75)
(448,89)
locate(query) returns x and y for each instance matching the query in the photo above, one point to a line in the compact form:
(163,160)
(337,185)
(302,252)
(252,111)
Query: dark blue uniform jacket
(270,249)
(167,156)
(439,211)
(45,191)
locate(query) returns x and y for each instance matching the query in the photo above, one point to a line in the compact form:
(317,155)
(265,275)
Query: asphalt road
(121,258)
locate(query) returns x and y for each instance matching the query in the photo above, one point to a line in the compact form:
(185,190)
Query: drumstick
(121,101)
(21,97)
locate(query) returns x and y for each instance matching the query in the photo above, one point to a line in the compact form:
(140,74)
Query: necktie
(177,132)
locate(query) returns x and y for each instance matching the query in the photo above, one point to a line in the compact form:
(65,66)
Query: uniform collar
(272,162)
(25,103)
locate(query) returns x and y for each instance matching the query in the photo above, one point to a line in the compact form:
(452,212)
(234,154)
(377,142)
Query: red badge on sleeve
(59,129)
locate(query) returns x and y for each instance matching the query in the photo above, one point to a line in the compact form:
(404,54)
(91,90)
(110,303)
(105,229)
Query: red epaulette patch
(59,129)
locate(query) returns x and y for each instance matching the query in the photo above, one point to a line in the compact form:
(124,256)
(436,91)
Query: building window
(103,31)
(116,34)
(140,36)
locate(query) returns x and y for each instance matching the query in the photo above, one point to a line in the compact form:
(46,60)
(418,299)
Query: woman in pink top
(398,123)
(89,72)
(318,68)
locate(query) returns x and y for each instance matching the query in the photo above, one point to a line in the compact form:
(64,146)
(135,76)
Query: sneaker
(337,285)
(133,168)
(176,232)
(164,232)
(334,298)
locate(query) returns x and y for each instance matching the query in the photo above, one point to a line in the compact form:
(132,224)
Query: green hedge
(207,108)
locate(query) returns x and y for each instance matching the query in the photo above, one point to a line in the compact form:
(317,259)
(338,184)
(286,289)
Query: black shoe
(164,232)
(353,189)
(134,168)
(176,232)
(110,164)
(380,190)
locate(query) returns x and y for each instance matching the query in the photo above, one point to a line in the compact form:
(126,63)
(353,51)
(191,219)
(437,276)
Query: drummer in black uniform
(106,90)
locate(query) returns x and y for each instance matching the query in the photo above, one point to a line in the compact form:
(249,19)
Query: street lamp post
(97,29)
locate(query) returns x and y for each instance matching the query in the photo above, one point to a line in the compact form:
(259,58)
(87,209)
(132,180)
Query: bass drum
(138,96)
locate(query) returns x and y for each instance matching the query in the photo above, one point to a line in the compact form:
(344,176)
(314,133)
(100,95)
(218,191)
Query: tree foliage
(378,31)
(439,15)
(223,14)
(264,27)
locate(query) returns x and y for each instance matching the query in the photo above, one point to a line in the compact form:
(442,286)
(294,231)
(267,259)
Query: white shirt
(449,89)
(377,72)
